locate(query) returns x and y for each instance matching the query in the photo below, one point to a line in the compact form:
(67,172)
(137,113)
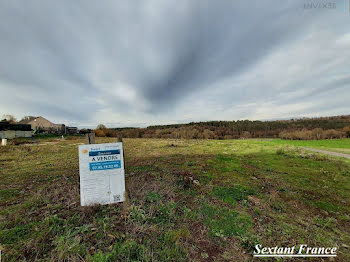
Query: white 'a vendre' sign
(101,169)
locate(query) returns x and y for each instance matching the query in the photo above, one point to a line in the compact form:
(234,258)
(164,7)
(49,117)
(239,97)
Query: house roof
(28,120)
(31,120)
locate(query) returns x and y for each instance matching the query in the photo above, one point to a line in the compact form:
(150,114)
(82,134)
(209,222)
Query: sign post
(102,176)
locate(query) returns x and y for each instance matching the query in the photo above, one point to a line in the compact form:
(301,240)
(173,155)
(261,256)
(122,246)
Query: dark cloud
(86,62)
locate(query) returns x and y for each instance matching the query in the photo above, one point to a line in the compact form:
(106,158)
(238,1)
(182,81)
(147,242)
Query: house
(9,131)
(41,124)
(84,131)
(71,130)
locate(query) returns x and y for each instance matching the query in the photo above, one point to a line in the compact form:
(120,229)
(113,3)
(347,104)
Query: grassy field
(251,191)
(334,145)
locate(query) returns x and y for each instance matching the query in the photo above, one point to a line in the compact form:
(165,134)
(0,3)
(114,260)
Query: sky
(140,63)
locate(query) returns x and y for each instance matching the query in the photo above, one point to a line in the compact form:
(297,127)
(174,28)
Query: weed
(153,197)
(164,213)
(232,194)
(137,213)
(326,206)
(16,234)
(225,222)
(128,250)
(281,151)
(7,194)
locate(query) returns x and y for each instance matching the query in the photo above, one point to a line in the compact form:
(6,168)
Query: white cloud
(125,63)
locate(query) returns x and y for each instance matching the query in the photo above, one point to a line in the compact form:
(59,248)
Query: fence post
(126,195)
(90,138)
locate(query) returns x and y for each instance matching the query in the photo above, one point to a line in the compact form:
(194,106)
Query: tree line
(304,128)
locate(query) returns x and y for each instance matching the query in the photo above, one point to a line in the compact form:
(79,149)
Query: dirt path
(327,152)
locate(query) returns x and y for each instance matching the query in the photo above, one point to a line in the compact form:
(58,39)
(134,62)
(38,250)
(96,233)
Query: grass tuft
(232,194)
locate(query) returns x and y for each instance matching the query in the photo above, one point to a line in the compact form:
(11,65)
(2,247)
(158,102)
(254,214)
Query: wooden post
(126,196)
(90,138)
(120,139)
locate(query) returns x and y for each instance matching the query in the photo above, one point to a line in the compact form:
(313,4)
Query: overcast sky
(138,63)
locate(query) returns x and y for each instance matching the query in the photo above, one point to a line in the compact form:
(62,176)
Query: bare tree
(101,126)
(10,118)
(347,131)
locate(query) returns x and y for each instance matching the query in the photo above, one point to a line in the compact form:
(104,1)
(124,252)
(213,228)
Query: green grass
(225,222)
(334,145)
(251,191)
(232,194)
(330,143)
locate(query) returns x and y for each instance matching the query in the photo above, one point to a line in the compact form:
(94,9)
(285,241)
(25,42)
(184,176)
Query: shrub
(314,134)
(347,131)
(100,133)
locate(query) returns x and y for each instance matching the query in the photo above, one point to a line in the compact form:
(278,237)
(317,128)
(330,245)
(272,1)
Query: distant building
(71,130)
(9,131)
(84,131)
(41,124)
